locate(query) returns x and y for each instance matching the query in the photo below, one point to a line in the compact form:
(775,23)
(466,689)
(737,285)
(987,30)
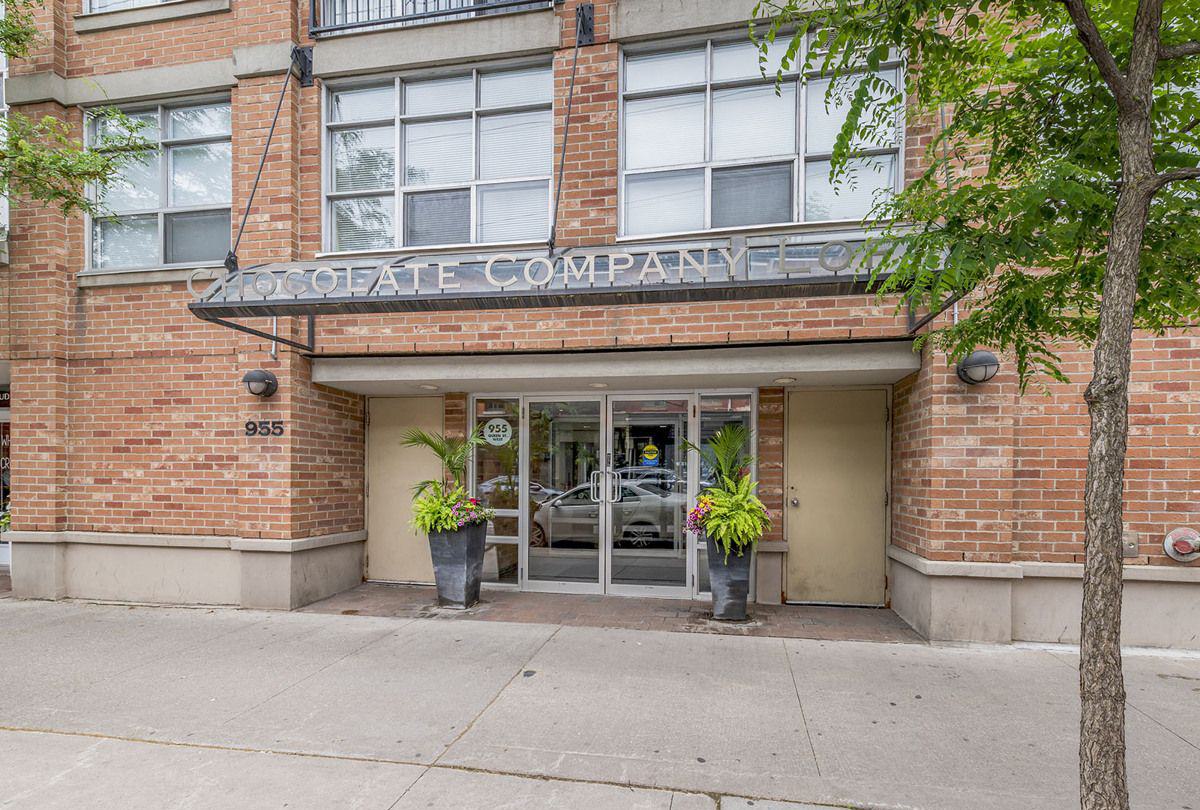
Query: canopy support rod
(585,34)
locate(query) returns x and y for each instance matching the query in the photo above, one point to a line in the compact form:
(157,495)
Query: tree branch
(1176,51)
(1089,35)
(1163,178)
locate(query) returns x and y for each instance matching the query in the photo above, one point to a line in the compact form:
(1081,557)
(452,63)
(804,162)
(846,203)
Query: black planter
(730,582)
(458,565)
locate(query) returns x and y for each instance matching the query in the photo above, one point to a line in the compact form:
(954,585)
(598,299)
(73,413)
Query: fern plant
(444,506)
(736,518)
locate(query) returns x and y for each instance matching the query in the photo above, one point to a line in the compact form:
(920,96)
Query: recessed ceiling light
(785,380)
(427,387)
(597,385)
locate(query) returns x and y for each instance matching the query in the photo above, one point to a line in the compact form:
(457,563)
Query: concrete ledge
(941,568)
(1021,570)
(453,42)
(286,581)
(962,606)
(262,60)
(648,19)
(122,539)
(1030,601)
(133,277)
(303,544)
(145,15)
(185,569)
(769,573)
(169,81)
(1130,573)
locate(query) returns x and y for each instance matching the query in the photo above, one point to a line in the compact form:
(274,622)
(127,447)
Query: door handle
(594,486)
(615,490)
(795,501)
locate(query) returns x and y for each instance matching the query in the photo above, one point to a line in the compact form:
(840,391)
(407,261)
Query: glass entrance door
(564,496)
(648,549)
(605,486)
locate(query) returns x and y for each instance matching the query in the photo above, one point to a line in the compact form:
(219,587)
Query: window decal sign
(742,268)
(497,432)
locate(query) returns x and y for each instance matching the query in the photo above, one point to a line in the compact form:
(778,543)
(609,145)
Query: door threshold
(799,603)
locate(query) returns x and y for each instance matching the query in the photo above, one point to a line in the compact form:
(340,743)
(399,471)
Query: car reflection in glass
(646,516)
(503,483)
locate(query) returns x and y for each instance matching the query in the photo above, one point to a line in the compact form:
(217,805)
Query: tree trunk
(1101,682)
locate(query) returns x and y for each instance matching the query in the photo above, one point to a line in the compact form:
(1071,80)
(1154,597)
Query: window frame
(164,208)
(89,6)
(401,190)
(708,87)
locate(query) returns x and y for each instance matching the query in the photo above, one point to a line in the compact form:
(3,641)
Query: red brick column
(456,418)
(310,481)
(588,209)
(952,465)
(44,255)
(770,457)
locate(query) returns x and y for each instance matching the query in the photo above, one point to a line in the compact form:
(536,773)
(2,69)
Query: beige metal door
(395,551)
(836,496)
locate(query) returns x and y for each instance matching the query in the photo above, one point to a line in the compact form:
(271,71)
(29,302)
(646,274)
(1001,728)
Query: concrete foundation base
(1023,601)
(185,569)
(768,574)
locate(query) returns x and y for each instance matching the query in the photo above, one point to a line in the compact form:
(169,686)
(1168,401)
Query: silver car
(647,514)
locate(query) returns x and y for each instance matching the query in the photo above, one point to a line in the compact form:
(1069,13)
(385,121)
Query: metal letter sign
(718,270)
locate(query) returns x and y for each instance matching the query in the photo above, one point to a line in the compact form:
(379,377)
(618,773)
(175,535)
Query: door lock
(795,501)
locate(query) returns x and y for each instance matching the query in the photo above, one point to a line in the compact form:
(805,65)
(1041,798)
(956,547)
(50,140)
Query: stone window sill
(170,275)
(145,15)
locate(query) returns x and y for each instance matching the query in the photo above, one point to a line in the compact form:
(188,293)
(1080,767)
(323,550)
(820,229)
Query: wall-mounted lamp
(978,367)
(261,383)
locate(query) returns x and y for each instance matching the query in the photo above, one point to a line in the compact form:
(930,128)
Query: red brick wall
(133,408)
(1162,471)
(985,474)
(770,440)
(713,323)
(128,412)
(588,211)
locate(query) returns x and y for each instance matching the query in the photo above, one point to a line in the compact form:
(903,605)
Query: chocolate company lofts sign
(619,275)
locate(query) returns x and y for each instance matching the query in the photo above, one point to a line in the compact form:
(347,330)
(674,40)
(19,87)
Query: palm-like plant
(725,453)
(453,452)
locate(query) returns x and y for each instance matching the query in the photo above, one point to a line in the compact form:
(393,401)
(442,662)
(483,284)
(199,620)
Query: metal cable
(562,158)
(287,77)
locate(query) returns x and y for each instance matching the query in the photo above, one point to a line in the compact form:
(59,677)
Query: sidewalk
(107,706)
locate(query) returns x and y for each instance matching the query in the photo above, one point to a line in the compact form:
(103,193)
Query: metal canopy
(722,270)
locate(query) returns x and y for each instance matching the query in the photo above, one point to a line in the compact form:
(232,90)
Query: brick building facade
(134,474)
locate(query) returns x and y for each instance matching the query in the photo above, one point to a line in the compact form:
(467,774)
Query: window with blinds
(170,207)
(446,161)
(708,142)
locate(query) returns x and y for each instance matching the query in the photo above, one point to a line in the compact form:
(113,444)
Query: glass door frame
(605,399)
(687,590)
(525,518)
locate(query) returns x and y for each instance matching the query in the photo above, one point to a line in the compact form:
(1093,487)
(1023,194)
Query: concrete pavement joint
(1056,655)
(412,785)
(800,702)
(716,797)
